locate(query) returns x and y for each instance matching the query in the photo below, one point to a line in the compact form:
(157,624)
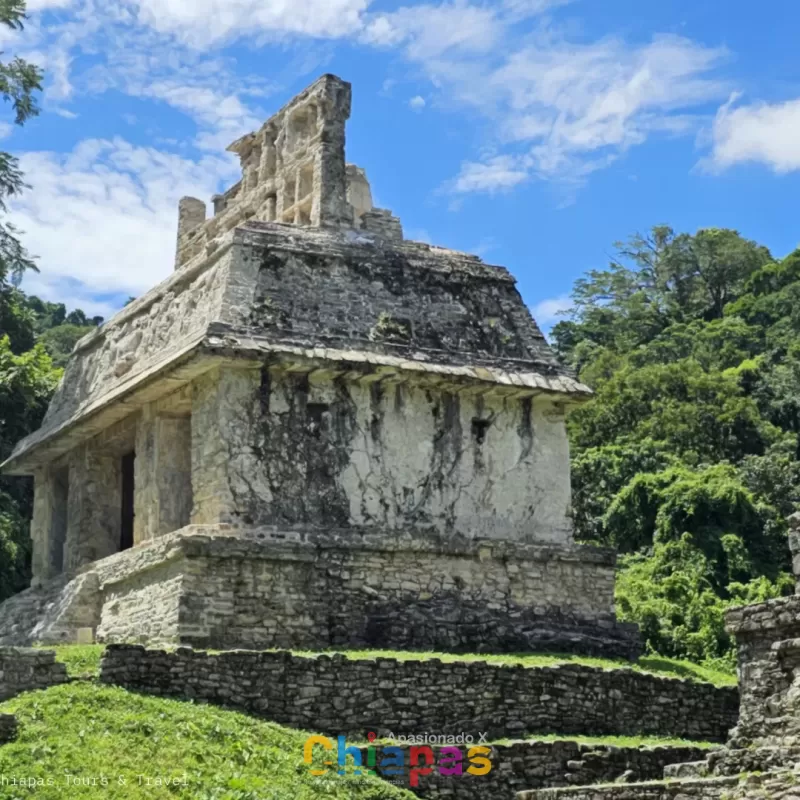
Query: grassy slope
(87,730)
(85,660)
(656,665)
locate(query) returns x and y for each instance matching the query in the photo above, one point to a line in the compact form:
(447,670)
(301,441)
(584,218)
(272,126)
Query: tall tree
(26,381)
(19,81)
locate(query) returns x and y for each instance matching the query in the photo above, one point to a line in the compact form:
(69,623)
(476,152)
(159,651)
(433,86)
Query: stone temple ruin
(313,433)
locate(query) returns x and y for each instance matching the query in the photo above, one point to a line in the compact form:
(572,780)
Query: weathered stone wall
(395,303)
(154,330)
(529,765)
(215,586)
(713,789)
(23,670)
(277,589)
(336,695)
(768,653)
(143,606)
(388,457)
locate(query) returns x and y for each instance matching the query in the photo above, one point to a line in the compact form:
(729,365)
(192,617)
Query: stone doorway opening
(127,497)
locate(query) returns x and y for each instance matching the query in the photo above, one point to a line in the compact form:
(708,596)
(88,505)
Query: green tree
(26,378)
(27,382)
(686,458)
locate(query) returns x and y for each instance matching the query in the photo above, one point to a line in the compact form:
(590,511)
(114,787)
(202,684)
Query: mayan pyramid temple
(313,433)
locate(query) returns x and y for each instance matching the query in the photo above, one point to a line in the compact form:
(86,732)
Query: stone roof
(296,265)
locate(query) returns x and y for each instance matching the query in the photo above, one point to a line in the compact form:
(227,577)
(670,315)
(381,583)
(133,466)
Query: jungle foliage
(687,459)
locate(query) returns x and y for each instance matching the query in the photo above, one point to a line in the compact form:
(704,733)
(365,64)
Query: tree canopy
(686,459)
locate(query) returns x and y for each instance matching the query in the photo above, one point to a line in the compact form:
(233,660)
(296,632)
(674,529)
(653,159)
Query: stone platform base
(219,588)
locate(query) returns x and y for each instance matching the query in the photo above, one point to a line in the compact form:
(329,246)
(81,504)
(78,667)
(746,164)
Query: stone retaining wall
(712,789)
(528,765)
(23,670)
(336,695)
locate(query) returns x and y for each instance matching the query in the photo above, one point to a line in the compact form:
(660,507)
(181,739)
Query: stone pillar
(794,546)
(330,181)
(94,508)
(163,479)
(359,194)
(191,215)
(223,416)
(330,206)
(43,500)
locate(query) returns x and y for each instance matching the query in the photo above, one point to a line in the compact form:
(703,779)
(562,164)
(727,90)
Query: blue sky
(534,133)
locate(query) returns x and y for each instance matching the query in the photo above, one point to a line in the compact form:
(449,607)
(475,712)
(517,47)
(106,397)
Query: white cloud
(763,133)
(417,103)
(32,6)
(102,219)
(223,117)
(548,312)
(200,23)
(498,173)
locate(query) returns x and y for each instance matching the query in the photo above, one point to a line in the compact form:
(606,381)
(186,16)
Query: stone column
(163,478)
(191,215)
(43,500)
(223,416)
(94,515)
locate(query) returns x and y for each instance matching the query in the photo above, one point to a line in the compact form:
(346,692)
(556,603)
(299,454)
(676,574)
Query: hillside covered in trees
(687,460)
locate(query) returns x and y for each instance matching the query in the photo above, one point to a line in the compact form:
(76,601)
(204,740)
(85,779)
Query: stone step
(690,769)
(519,765)
(687,789)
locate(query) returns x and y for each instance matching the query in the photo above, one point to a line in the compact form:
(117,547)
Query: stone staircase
(51,613)
(761,758)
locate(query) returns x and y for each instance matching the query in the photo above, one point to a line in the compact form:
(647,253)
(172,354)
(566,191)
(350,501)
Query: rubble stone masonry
(338,695)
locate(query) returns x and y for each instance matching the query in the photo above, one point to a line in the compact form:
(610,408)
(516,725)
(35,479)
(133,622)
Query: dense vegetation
(686,459)
(33,348)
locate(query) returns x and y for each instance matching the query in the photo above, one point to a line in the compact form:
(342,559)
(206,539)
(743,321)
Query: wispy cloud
(103,216)
(557,110)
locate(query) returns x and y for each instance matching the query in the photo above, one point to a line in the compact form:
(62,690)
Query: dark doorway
(58,522)
(126,534)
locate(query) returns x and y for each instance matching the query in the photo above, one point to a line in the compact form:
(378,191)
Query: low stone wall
(8,728)
(336,695)
(23,670)
(712,789)
(529,765)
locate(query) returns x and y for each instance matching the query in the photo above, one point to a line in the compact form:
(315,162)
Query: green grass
(89,731)
(614,741)
(81,659)
(85,660)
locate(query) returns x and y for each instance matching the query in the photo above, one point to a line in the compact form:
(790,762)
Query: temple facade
(314,433)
